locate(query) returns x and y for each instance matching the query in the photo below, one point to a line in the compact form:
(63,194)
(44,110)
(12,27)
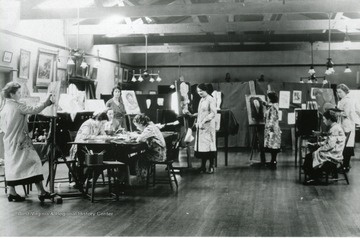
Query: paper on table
(291,118)
(95,105)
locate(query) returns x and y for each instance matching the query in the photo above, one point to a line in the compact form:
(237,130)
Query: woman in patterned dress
(272,141)
(156,150)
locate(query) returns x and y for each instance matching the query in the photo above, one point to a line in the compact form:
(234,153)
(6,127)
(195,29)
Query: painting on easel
(255,109)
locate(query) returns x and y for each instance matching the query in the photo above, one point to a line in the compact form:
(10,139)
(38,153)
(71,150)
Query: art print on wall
(7,57)
(284,99)
(297,96)
(130,102)
(24,64)
(46,64)
(255,109)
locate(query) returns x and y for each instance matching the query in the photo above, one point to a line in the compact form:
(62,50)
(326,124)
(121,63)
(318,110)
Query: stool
(170,174)
(97,169)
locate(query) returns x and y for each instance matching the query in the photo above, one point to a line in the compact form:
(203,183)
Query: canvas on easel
(130,102)
(255,109)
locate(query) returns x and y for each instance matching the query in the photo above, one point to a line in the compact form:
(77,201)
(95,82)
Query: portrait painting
(24,64)
(255,109)
(325,98)
(130,102)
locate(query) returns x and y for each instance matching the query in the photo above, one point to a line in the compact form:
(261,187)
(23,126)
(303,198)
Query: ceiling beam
(279,26)
(234,48)
(178,39)
(273,7)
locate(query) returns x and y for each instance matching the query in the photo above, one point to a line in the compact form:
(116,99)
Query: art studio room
(180,118)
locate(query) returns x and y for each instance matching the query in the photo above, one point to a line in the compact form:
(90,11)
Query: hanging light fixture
(311,70)
(329,63)
(146,74)
(347,69)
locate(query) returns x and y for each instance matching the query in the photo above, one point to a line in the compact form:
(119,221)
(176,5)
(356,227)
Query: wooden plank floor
(238,200)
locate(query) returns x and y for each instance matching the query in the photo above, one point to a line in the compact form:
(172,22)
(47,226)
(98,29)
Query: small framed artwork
(60,74)
(297,96)
(24,65)
(125,75)
(45,67)
(152,92)
(7,57)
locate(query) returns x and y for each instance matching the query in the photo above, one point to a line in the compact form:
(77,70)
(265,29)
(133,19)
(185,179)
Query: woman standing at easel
(205,143)
(272,141)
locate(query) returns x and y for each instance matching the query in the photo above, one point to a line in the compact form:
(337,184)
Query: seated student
(91,128)
(329,150)
(112,125)
(150,134)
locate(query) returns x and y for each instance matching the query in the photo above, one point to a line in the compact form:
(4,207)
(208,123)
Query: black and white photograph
(180,118)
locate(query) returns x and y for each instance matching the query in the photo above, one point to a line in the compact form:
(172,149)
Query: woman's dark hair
(141,119)
(203,87)
(210,88)
(344,88)
(10,87)
(101,117)
(330,115)
(117,87)
(273,97)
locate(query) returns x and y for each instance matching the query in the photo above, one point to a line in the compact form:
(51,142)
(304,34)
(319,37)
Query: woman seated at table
(329,150)
(112,125)
(90,129)
(150,134)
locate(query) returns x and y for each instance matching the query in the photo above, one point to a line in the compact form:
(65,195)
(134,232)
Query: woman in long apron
(346,104)
(205,142)
(22,163)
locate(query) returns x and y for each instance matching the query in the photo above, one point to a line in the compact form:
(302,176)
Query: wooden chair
(96,169)
(172,151)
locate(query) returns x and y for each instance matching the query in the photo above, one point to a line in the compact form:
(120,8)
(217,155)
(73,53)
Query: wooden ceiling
(208,25)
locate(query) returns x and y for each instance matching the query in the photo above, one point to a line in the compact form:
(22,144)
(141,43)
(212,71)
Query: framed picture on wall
(125,75)
(7,57)
(24,64)
(45,67)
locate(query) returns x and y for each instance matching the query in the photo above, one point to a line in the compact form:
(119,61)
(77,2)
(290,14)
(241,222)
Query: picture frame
(61,74)
(255,109)
(297,96)
(24,64)
(7,56)
(152,92)
(126,75)
(45,67)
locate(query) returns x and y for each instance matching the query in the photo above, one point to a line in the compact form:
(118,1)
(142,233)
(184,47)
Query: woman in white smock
(347,105)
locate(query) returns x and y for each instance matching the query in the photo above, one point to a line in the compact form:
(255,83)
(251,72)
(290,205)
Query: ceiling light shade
(140,79)
(158,79)
(301,80)
(347,69)
(311,70)
(313,78)
(145,73)
(133,79)
(325,81)
(329,66)
(151,80)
